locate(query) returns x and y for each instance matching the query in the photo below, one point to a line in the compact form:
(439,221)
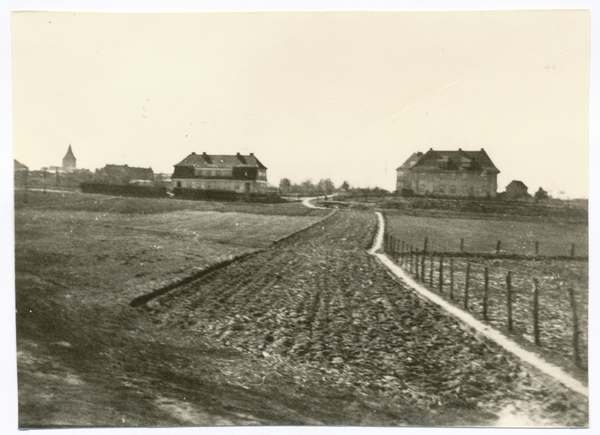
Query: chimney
(460,149)
(482,149)
(204,153)
(251,154)
(238,153)
(193,153)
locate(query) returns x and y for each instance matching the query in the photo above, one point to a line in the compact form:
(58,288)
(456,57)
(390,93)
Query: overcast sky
(340,95)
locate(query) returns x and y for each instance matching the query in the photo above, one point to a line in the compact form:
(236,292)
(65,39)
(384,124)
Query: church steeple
(69,160)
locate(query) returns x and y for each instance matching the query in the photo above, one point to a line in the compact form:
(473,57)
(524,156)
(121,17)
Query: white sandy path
(549,369)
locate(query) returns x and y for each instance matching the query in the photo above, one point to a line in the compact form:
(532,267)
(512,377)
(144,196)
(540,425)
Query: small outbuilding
(516,189)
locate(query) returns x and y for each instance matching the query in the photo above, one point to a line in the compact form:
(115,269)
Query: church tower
(69,161)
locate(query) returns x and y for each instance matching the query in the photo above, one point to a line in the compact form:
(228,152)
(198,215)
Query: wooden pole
(462,245)
(431,269)
(425,245)
(466,298)
(441,275)
(417,269)
(509,301)
(536,315)
(576,357)
(451,278)
(423,267)
(486,294)
(411,259)
(498,246)
(402,254)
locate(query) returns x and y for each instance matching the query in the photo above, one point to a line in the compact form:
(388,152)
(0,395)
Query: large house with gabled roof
(235,173)
(448,173)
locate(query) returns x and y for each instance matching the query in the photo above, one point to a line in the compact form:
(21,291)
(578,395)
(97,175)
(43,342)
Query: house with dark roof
(21,173)
(516,189)
(234,173)
(448,173)
(69,161)
(123,174)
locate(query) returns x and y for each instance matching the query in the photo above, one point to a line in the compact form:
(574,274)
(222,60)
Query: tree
(285,185)
(345,186)
(308,187)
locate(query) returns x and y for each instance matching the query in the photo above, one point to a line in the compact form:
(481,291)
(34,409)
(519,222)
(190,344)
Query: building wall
(240,186)
(448,183)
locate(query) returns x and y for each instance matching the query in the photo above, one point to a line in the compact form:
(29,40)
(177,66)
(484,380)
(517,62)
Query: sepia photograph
(356,218)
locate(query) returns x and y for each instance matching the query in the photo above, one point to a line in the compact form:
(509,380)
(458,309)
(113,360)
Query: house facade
(234,173)
(448,173)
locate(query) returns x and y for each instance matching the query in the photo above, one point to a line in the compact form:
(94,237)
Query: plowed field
(318,299)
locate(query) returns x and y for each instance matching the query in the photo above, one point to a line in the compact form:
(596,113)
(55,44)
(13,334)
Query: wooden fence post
(486,293)
(451,278)
(402,254)
(536,316)
(425,245)
(462,245)
(441,274)
(509,301)
(417,269)
(576,357)
(411,259)
(431,269)
(498,246)
(537,248)
(466,298)
(423,267)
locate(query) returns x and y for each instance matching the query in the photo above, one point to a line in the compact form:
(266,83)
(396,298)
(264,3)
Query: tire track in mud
(317,297)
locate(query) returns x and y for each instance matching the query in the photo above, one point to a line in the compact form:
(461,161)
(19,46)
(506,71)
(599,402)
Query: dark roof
(433,160)
(128,171)
(69,154)
(221,161)
(517,183)
(20,166)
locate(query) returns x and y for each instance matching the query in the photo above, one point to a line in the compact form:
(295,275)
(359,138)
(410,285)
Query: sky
(341,95)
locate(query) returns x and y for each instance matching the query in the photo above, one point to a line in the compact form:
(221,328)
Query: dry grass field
(481,234)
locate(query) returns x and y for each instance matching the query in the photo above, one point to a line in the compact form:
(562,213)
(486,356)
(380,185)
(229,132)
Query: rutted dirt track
(318,299)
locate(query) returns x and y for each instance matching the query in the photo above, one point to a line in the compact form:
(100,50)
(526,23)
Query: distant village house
(516,189)
(234,173)
(448,173)
(21,174)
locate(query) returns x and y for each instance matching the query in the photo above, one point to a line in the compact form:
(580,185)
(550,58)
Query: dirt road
(318,302)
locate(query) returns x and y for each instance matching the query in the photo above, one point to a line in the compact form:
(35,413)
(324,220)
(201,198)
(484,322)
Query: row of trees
(308,188)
